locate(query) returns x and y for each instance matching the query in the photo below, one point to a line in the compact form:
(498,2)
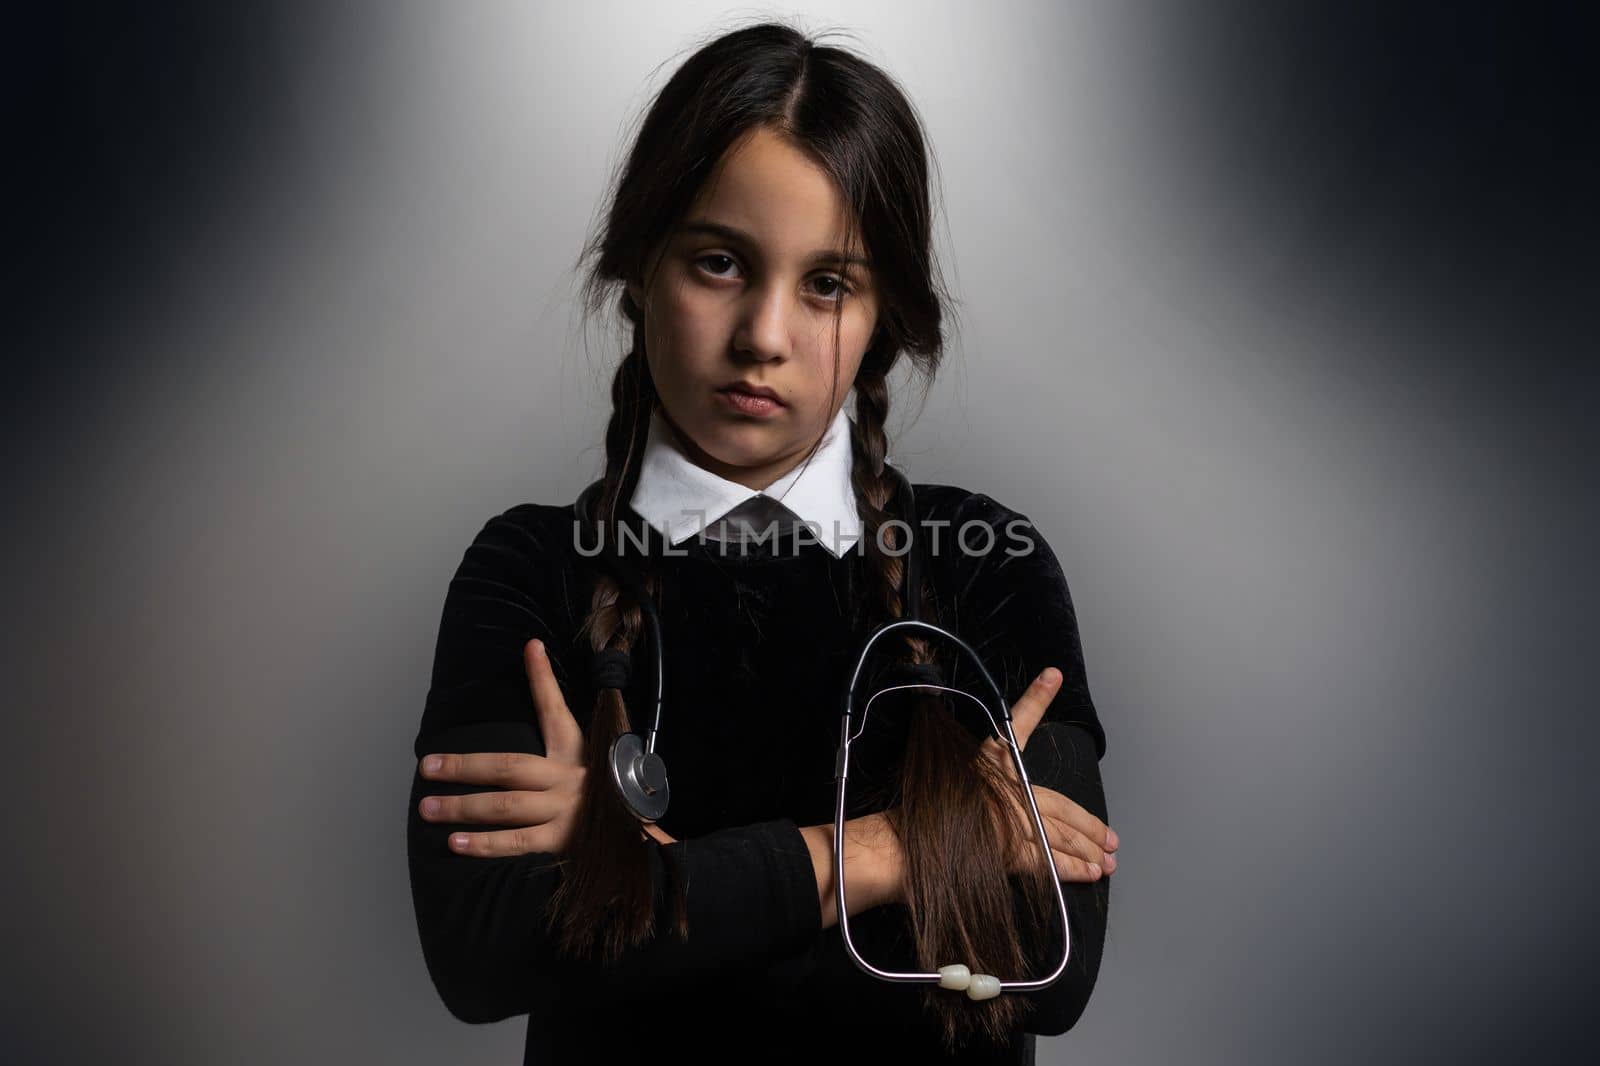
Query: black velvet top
(758,649)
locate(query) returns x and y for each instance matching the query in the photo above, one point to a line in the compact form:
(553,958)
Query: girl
(769,241)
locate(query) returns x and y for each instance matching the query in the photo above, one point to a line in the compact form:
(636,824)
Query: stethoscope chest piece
(640,776)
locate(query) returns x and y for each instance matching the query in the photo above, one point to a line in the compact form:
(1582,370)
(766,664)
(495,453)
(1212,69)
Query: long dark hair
(950,809)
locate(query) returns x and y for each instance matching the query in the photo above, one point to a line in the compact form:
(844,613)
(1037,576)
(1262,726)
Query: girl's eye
(838,290)
(709,258)
(841,287)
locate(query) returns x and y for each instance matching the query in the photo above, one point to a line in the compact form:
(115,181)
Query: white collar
(680,498)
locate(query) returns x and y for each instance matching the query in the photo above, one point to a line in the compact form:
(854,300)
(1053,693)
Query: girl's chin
(746,458)
(735,431)
(734,442)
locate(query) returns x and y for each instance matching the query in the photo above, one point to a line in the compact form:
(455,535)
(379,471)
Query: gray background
(1280,327)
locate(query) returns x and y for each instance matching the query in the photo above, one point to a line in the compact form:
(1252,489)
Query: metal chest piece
(640,776)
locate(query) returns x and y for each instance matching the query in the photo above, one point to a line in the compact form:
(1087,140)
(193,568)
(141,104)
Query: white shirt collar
(681,499)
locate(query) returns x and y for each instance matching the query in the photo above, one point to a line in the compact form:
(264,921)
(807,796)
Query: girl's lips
(745,403)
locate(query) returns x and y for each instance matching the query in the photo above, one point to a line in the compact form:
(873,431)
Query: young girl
(769,241)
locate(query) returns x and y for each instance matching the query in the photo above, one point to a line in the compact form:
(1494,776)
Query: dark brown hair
(949,807)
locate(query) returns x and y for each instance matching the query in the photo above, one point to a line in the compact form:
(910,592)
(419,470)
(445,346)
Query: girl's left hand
(1081,845)
(543,793)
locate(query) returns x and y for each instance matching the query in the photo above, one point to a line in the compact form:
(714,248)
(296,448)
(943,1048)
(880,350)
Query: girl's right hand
(543,792)
(1081,845)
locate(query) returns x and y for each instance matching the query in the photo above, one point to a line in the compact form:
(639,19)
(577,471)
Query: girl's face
(746,292)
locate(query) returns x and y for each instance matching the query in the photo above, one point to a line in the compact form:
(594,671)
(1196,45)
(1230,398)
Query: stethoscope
(640,775)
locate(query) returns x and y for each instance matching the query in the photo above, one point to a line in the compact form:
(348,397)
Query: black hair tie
(915,674)
(611,668)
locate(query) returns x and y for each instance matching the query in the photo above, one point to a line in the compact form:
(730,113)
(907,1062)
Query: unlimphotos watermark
(974,537)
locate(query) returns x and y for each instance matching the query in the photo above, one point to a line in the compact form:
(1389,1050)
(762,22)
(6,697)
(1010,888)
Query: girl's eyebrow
(739,236)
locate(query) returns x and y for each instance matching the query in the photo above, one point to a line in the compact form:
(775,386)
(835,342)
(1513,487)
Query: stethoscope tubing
(645,805)
(841,773)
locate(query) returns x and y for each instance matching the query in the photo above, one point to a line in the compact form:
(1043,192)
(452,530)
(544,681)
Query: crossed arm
(538,794)
(761,891)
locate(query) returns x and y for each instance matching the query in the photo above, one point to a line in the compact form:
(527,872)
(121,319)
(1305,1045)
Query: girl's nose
(764,331)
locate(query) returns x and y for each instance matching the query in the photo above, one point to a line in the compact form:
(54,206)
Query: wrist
(872,865)
(873,861)
(819,842)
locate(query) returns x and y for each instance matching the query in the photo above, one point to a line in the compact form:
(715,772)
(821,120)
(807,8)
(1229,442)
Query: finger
(563,740)
(1069,866)
(504,842)
(1030,708)
(658,834)
(1025,715)
(1053,804)
(1061,836)
(495,808)
(1072,868)
(507,769)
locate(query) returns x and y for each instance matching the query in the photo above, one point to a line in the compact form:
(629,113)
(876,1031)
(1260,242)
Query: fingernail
(459,842)
(430,806)
(1052,676)
(1111,838)
(1095,867)
(432,764)
(1111,864)
(538,646)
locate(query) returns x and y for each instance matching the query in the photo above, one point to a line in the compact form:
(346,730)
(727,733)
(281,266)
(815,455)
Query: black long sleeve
(757,650)
(481,920)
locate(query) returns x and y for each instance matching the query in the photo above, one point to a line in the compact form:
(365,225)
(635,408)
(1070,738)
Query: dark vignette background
(1303,298)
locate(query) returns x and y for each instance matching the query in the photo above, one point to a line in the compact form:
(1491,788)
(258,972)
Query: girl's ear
(636,294)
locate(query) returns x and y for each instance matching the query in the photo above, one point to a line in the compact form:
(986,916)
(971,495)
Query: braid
(952,815)
(869,446)
(605,902)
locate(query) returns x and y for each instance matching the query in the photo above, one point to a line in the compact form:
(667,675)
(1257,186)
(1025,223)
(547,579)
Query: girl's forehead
(766,191)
